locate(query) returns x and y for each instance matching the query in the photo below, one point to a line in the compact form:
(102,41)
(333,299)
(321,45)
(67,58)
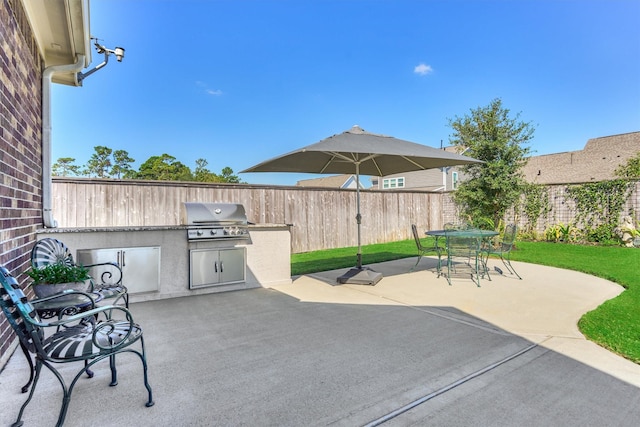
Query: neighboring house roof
(596,162)
(336,181)
(61,31)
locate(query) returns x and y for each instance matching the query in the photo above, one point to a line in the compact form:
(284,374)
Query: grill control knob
(214,232)
(199,232)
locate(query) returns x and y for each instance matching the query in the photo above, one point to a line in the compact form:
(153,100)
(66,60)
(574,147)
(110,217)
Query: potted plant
(58,277)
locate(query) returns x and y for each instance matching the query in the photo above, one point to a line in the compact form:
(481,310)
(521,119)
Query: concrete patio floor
(411,350)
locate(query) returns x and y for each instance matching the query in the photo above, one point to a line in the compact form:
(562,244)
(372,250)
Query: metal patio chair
(76,338)
(464,253)
(423,250)
(109,284)
(503,249)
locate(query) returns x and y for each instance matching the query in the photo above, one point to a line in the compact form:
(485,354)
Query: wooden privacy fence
(321,218)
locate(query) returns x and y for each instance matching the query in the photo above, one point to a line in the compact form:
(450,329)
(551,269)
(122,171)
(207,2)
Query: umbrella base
(360,276)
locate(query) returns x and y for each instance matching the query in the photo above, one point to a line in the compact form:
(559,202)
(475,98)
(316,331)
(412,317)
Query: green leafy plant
(535,205)
(561,233)
(58,273)
(599,206)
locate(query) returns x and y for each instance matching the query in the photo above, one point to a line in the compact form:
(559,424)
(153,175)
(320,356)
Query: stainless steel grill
(213,221)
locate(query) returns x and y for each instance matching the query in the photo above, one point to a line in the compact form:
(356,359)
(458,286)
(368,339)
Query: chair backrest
(458,226)
(462,245)
(50,251)
(19,312)
(416,237)
(509,236)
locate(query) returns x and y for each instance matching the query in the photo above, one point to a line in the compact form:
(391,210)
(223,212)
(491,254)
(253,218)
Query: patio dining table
(469,232)
(472,233)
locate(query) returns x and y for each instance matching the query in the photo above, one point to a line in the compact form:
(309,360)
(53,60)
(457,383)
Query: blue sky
(239,82)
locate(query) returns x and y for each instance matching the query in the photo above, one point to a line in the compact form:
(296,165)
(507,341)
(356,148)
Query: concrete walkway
(411,350)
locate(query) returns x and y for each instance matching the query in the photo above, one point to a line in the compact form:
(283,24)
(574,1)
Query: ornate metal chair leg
(507,263)
(143,357)
(25,387)
(36,377)
(114,373)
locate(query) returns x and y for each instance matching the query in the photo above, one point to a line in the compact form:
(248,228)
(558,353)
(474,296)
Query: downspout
(47,214)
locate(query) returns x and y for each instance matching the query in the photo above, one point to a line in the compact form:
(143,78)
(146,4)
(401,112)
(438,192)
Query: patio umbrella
(363,153)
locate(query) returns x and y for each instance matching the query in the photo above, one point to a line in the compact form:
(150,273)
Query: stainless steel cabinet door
(232,265)
(211,267)
(140,265)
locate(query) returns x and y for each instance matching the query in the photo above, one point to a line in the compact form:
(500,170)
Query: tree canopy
(100,162)
(490,134)
(164,168)
(65,166)
(108,163)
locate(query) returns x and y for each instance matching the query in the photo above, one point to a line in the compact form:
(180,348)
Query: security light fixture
(118,52)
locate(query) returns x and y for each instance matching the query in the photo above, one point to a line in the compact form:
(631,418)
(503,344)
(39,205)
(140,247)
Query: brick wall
(20,147)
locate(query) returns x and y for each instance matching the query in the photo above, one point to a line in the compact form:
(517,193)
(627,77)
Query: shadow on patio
(312,353)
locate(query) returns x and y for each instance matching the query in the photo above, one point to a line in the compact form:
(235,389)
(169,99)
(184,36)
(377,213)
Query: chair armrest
(88,313)
(66,303)
(124,326)
(64,294)
(111,273)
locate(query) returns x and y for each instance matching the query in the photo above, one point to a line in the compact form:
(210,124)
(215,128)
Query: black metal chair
(423,250)
(108,284)
(503,249)
(76,338)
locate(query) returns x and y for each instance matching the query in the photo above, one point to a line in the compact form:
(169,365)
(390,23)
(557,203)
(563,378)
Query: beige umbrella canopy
(363,153)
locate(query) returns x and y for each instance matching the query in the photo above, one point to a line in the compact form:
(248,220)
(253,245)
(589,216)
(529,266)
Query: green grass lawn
(614,325)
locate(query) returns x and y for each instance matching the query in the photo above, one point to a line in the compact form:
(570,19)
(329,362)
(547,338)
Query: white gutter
(47,215)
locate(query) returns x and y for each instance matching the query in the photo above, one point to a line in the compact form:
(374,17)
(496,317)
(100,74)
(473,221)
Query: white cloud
(423,69)
(212,92)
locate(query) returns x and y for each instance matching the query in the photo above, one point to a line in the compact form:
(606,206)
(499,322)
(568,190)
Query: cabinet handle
(123,263)
(215,266)
(221,267)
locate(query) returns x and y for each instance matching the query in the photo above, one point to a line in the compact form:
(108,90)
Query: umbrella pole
(359,275)
(358,216)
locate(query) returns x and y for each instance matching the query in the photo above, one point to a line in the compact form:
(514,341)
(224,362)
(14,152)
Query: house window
(393,183)
(454,180)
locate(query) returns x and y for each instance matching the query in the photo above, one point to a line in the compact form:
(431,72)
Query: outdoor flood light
(118,52)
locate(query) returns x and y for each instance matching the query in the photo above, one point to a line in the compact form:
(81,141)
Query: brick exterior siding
(20,147)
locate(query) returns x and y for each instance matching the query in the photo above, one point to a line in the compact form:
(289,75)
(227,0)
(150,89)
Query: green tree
(100,162)
(631,169)
(228,176)
(65,166)
(121,164)
(491,135)
(202,174)
(164,168)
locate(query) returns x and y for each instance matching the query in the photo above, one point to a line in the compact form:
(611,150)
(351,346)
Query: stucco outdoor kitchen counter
(268,255)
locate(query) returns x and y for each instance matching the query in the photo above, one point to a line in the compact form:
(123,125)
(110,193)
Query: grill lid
(207,214)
